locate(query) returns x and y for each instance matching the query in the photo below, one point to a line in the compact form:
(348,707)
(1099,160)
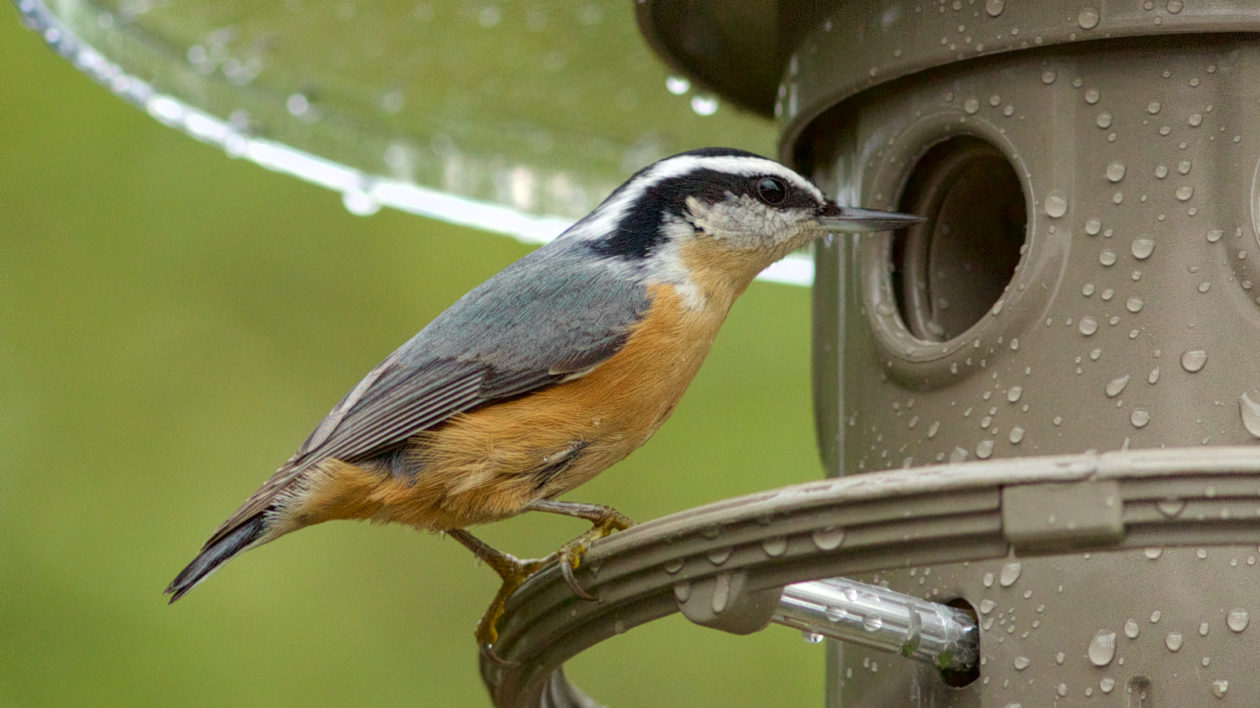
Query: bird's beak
(838,219)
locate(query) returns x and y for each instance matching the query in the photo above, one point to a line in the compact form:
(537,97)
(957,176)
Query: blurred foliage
(174,322)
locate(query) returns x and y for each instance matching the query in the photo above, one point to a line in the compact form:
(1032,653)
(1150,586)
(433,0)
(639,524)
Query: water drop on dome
(1115,386)
(1193,360)
(1056,204)
(1173,640)
(1010,573)
(1237,619)
(1140,418)
(1250,411)
(1102,648)
(1142,248)
(1131,628)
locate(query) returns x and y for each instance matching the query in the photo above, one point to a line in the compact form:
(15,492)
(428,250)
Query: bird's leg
(604,520)
(513,570)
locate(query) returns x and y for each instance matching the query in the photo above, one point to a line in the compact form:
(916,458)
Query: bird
(548,373)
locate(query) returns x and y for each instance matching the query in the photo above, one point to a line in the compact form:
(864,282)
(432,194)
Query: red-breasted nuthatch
(549,372)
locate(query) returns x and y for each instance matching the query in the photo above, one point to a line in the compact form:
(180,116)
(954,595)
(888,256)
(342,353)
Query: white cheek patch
(666,264)
(747,223)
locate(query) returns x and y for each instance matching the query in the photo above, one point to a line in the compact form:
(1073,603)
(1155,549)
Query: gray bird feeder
(1038,411)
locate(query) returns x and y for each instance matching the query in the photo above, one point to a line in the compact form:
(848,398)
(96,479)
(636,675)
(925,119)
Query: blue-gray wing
(545,318)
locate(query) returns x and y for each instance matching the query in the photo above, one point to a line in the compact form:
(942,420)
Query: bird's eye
(772,190)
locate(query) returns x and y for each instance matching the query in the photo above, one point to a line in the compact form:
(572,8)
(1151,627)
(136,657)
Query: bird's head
(725,212)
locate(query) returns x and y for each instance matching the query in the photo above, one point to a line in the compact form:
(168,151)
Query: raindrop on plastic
(1102,648)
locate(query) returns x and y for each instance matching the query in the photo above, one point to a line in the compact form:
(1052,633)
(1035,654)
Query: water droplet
(1107,257)
(298,104)
(971,105)
(1106,684)
(1250,411)
(957,455)
(1131,628)
(1155,616)
(1142,248)
(775,546)
(718,556)
(1193,360)
(1014,392)
(986,606)
(829,537)
(810,636)
(703,105)
(933,428)
(1184,192)
(1103,120)
(984,449)
(1116,385)
(1102,648)
(673,565)
(1237,619)
(1088,325)
(1017,435)
(1154,552)
(1134,304)
(1062,690)
(1153,107)
(359,202)
(1175,6)
(1115,171)
(677,85)
(1092,96)
(995,7)
(1173,640)
(1087,18)
(1093,226)
(1048,76)
(1022,662)
(1214,235)
(1140,417)
(1220,687)
(682,591)
(1153,377)
(872,623)
(1056,204)
(1204,629)
(834,613)
(1010,573)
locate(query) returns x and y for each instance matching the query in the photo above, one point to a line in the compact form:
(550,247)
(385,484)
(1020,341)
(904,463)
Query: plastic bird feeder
(1042,405)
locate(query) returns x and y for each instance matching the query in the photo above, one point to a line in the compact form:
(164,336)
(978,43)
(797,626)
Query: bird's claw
(570,554)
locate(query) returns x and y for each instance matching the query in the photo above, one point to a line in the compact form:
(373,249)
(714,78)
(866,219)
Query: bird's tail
(215,554)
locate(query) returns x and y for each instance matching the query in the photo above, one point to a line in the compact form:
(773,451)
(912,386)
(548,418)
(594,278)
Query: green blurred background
(174,322)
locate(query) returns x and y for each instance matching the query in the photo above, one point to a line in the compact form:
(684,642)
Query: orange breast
(488,464)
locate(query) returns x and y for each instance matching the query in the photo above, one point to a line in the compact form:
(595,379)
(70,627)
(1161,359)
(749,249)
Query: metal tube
(878,618)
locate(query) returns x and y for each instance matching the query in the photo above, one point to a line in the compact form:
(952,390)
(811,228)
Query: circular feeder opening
(948,271)
(959,679)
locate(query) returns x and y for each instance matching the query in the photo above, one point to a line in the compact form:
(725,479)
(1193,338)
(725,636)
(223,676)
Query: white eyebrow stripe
(606,218)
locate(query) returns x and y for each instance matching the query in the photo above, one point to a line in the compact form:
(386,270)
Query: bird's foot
(570,554)
(514,572)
